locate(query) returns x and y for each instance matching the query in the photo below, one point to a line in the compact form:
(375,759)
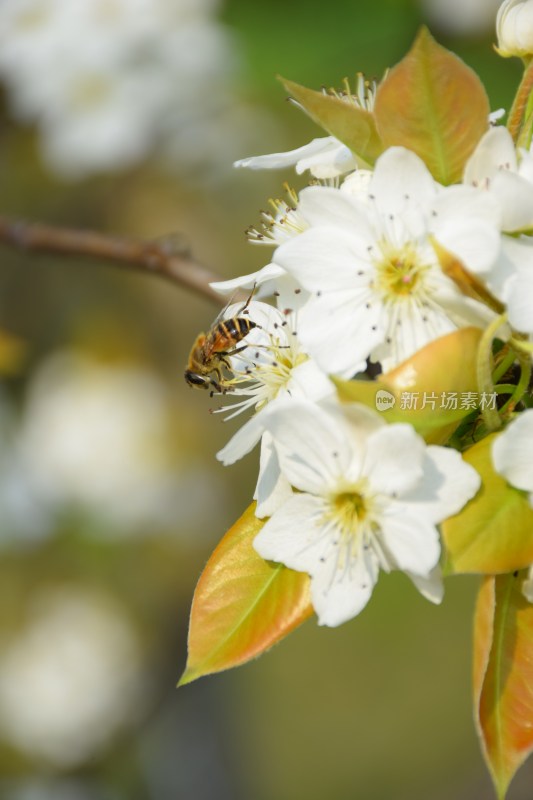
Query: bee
(210,352)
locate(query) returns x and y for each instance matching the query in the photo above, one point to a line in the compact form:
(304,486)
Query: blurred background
(125,116)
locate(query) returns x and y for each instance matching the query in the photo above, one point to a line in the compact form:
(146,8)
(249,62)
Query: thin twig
(161,257)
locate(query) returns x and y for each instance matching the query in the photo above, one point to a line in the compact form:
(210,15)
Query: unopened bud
(514,28)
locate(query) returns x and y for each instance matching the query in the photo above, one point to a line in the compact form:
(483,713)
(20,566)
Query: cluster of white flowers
(356,278)
(108,80)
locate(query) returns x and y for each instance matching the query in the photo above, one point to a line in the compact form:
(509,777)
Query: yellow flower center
(399,271)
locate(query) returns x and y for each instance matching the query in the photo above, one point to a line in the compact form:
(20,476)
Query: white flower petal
(527,586)
(520,300)
(411,541)
(269,273)
(308,381)
(431,587)
(273,488)
(512,452)
(394,459)
(340,342)
(332,161)
(340,595)
(289,158)
(448,483)
(515,194)
(400,176)
(312,448)
(324,205)
(475,243)
(357,185)
(326,259)
(242,442)
(293,535)
(525,168)
(495,150)
(459,202)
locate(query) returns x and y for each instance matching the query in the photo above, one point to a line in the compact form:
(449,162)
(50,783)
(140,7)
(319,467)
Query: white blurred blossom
(71,679)
(100,440)
(462,17)
(108,81)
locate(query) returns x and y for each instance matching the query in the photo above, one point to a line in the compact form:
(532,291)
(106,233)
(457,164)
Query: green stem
(504,388)
(485,385)
(516,114)
(522,345)
(507,361)
(521,386)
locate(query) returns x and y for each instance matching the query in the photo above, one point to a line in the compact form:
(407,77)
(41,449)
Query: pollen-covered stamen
(264,370)
(351,519)
(362,97)
(400,271)
(281,223)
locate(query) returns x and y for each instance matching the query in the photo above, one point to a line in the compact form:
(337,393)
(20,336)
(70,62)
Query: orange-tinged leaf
(353,126)
(493,533)
(242,604)
(469,284)
(435,105)
(503,676)
(426,381)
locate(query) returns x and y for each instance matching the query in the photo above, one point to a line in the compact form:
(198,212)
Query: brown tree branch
(162,257)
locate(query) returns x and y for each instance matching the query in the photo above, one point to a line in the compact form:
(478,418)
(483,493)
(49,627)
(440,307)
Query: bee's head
(193,379)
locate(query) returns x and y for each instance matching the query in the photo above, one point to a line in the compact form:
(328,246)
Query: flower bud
(514,28)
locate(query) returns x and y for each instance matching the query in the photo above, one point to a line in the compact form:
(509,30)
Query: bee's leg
(243,310)
(217,387)
(233,352)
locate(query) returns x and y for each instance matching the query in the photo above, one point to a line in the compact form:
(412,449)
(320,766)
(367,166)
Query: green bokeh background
(378,709)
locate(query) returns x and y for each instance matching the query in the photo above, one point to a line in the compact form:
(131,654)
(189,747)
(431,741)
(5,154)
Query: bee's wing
(222,313)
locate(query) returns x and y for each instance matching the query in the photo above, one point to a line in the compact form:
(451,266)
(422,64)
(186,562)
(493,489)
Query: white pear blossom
(369,497)
(274,367)
(497,168)
(514,28)
(512,453)
(512,457)
(375,284)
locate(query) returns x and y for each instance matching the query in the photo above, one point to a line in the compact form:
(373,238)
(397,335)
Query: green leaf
(445,366)
(242,604)
(353,126)
(503,676)
(435,105)
(494,532)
